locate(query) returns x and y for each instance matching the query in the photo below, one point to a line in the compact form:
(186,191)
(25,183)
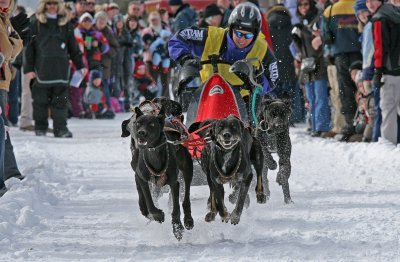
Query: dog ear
(161,116)
(138,112)
(288,105)
(213,130)
(124,129)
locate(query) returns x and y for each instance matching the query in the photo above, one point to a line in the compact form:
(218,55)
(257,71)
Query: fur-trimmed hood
(62,12)
(277,8)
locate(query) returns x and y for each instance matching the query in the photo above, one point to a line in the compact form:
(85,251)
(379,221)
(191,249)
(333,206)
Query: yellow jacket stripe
(213,46)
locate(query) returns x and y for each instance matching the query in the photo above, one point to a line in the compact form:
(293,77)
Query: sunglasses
(90,3)
(304,4)
(240,34)
(52,3)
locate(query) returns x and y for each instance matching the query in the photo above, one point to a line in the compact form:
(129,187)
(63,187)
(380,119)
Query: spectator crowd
(338,61)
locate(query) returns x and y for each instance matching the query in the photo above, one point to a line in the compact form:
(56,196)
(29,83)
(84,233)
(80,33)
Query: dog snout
(227,135)
(142,133)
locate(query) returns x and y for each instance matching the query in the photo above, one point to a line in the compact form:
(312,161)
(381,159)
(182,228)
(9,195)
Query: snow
(78,202)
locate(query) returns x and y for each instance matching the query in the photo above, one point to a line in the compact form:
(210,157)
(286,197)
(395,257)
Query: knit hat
(212,10)
(175,2)
(112,6)
(85,16)
(356,65)
(359,6)
(95,74)
(138,64)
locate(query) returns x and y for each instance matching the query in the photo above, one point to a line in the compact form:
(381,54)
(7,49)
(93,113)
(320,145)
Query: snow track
(79,203)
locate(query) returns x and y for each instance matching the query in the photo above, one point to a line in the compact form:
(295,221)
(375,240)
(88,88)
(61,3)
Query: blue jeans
(376,130)
(106,91)
(13,95)
(2,150)
(317,94)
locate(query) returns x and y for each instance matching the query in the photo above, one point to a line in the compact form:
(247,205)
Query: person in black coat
(47,61)
(313,68)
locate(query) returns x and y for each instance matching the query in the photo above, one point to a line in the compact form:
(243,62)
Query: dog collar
(162,174)
(223,178)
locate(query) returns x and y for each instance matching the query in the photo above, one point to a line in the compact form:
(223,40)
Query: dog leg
(210,216)
(244,189)
(142,202)
(257,159)
(219,199)
(269,161)
(177,227)
(185,164)
(284,152)
(154,213)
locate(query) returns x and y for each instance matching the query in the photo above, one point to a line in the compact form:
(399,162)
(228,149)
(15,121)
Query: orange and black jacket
(386,34)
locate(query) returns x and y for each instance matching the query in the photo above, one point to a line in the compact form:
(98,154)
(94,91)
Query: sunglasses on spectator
(52,3)
(245,35)
(90,3)
(304,4)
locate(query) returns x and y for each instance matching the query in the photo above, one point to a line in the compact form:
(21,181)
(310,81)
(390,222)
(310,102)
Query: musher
(242,39)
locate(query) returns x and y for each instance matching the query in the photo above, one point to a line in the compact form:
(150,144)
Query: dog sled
(216,98)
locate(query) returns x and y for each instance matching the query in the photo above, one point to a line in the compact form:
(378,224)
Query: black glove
(21,23)
(185,58)
(376,80)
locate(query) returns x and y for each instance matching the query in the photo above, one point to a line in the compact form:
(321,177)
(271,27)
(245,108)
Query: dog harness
(223,178)
(161,175)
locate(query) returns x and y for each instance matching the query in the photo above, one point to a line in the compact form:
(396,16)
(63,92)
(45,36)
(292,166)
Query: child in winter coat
(143,81)
(364,118)
(93,98)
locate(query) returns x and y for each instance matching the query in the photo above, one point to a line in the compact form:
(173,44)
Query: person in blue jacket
(242,39)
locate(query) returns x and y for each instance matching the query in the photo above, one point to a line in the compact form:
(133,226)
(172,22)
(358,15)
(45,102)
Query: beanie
(175,2)
(212,10)
(85,16)
(359,6)
(356,65)
(95,74)
(138,64)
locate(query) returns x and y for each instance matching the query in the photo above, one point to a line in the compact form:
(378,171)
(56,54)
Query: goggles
(240,34)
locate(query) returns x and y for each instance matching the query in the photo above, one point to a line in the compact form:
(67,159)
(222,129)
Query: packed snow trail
(78,202)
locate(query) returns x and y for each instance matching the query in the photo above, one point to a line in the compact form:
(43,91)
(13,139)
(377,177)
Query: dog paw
(262,198)
(158,216)
(288,201)
(235,218)
(189,223)
(225,218)
(178,229)
(210,217)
